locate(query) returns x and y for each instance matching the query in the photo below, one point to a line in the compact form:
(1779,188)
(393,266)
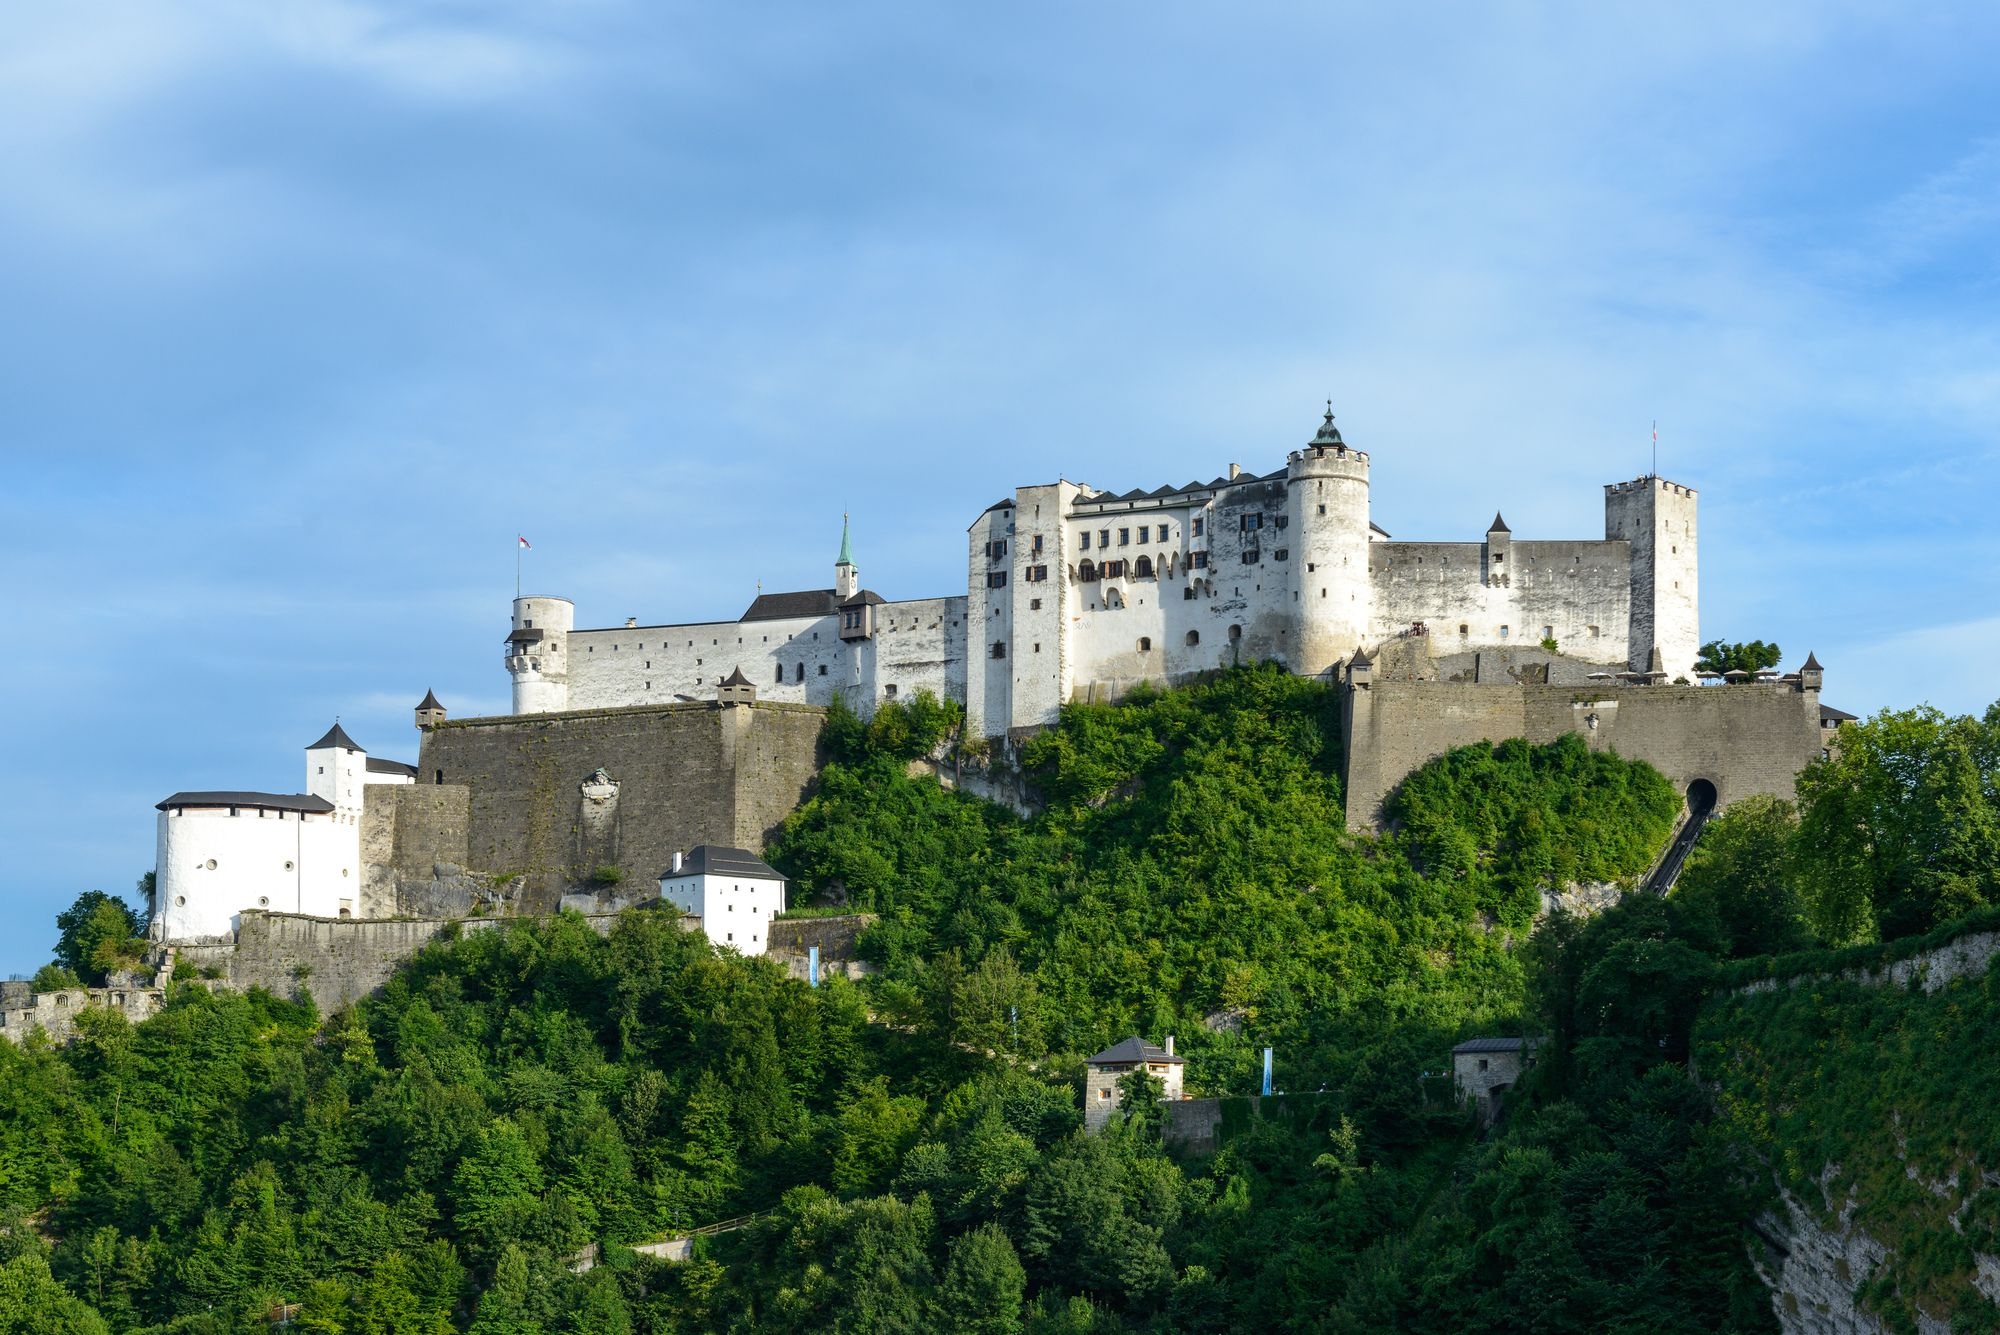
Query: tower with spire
(846,579)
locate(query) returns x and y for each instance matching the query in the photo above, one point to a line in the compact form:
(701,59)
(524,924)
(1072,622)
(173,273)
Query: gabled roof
(1490,1045)
(718,860)
(303,802)
(390,767)
(430,701)
(803,603)
(736,678)
(865,598)
(1134,1049)
(335,736)
(1360,659)
(1828,714)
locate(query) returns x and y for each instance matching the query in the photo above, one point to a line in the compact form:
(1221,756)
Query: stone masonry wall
(1745,739)
(686,774)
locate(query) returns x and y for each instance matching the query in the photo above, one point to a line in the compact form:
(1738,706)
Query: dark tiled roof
(1378,528)
(1490,1045)
(1134,1049)
(526,635)
(865,598)
(1498,525)
(430,701)
(335,736)
(269,801)
(390,767)
(1812,664)
(804,603)
(716,860)
(736,678)
(1360,659)
(1828,714)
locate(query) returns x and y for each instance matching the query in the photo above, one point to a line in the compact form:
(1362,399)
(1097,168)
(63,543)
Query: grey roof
(865,598)
(390,767)
(1490,1045)
(1828,714)
(335,736)
(430,701)
(1134,1049)
(1361,658)
(717,860)
(736,678)
(803,603)
(1378,528)
(1498,525)
(1812,664)
(269,801)
(526,635)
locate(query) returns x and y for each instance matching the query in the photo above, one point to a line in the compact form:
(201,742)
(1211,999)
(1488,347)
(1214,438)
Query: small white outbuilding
(734,892)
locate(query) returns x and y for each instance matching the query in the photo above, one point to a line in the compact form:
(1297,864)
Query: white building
(1075,594)
(220,852)
(734,893)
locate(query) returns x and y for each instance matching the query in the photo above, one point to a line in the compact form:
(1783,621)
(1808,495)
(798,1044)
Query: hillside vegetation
(434,1159)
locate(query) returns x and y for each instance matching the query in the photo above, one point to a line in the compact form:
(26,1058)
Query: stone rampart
(1745,740)
(23,1011)
(673,776)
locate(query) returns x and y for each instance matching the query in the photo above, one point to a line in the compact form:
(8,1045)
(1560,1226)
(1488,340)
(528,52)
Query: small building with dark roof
(1485,1070)
(734,892)
(1101,1092)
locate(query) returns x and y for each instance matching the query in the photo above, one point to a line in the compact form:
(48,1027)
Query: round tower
(1327,496)
(538,654)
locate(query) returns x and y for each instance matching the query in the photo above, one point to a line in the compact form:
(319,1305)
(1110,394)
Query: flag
(1656,440)
(525,544)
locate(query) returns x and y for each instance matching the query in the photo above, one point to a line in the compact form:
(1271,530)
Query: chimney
(677,861)
(1235,471)
(1170,1045)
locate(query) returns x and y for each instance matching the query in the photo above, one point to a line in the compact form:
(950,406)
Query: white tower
(846,579)
(1327,494)
(1657,518)
(337,769)
(538,654)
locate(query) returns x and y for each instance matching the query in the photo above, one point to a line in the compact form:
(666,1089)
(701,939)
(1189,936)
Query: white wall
(212,865)
(735,911)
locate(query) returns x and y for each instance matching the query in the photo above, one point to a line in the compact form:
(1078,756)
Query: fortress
(1078,594)
(630,744)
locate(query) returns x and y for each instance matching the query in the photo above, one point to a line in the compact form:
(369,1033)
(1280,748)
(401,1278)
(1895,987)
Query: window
(889,691)
(1250,523)
(1503,632)
(1482,1063)
(1464,629)
(1281,521)
(1038,646)
(1498,558)
(1124,537)
(1143,567)
(822,669)
(1199,560)
(1038,544)
(1114,570)
(996,579)
(1187,594)
(1282,554)
(1086,540)
(1593,631)
(1548,632)
(1193,638)
(1087,572)
(999,648)
(1145,533)
(1250,556)
(1199,524)
(1104,537)
(1036,574)
(1235,633)
(780,677)
(1145,644)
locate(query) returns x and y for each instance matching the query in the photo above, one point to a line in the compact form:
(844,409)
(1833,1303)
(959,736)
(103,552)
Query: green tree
(1740,883)
(983,1285)
(32,1303)
(1751,656)
(497,1189)
(97,934)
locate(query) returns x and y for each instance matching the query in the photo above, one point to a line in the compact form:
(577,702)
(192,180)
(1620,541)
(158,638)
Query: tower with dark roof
(429,712)
(337,769)
(1327,508)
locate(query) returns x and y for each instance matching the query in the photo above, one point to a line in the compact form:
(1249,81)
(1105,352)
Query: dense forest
(905,1154)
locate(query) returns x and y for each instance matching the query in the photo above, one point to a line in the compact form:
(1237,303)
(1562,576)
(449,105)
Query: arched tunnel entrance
(1700,806)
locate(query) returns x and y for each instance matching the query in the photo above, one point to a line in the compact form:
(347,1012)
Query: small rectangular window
(1104,537)
(1144,532)
(1198,525)
(996,579)
(1124,537)
(1086,540)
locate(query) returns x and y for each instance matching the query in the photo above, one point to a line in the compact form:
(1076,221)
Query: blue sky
(312,305)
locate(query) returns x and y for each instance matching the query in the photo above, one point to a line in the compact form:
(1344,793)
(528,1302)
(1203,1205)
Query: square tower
(1656,519)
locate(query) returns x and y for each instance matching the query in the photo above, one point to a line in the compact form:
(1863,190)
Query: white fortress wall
(1576,591)
(637,665)
(213,865)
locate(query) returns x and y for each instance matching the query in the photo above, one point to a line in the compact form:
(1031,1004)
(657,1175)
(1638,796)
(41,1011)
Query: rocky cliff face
(1813,1270)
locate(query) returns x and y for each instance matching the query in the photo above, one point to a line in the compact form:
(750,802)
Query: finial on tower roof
(1329,434)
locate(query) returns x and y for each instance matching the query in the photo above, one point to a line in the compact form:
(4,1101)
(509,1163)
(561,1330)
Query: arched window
(801,674)
(1145,644)
(1143,567)
(781,674)
(1087,572)
(1236,632)
(1194,638)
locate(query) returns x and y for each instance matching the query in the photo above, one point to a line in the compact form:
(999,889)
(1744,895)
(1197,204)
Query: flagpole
(1656,448)
(517,570)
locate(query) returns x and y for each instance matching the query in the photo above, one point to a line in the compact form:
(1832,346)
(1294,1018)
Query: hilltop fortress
(630,744)
(1078,594)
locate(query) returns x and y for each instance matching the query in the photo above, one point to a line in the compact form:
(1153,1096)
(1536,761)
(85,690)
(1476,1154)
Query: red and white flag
(525,544)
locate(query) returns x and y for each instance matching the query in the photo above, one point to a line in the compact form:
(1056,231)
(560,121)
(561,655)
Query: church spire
(846,547)
(846,579)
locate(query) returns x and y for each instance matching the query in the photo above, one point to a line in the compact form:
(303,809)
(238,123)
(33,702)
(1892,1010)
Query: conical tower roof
(1498,525)
(430,701)
(846,546)
(736,678)
(335,736)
